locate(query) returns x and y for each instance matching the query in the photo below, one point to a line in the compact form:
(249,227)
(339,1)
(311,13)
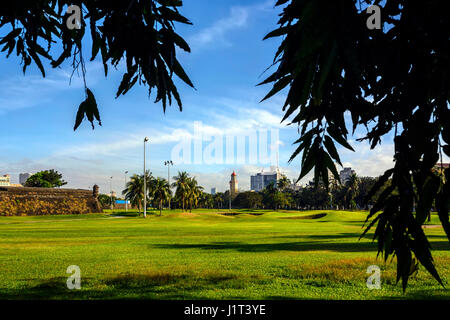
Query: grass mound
(183,214)
(310,216)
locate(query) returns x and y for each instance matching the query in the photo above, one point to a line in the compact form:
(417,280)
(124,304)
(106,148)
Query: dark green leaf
(278,86)
(277,32)
(329,144)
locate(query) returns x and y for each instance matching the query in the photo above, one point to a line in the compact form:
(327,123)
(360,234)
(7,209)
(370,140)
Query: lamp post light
(145,183)
(168,164)
(126,201)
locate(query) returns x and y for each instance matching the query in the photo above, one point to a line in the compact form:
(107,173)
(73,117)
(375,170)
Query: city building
(294,187)
(262,179)
(345,174)
(233,185)
(5,181)
(213,191)
(23,177)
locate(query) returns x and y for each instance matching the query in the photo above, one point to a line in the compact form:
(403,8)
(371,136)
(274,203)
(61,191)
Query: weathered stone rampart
(46,201)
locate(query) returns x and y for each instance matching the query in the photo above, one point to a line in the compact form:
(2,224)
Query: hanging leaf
(89,109)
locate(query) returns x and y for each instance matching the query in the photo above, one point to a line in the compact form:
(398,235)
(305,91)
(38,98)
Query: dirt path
(431,226)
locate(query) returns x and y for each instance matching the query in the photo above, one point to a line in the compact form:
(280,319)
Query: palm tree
(206,200)
(160,191)
(194,192)
(283,183)
(134,191)
(218,199)
(181,183)
(271,187)
(149,179)
(352,186)
(271,195)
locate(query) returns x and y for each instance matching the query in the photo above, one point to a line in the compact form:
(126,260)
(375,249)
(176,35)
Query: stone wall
(46,201)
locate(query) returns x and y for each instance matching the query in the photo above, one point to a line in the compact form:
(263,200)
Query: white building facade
(262,179)
(5,181)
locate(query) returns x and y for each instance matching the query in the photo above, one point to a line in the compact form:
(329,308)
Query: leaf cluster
(141,33)
(395,79)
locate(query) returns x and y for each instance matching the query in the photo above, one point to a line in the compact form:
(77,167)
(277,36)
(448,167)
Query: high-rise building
(5,181)
(23,177)
(345,174)
(233,185)
(213,191)
(262,179)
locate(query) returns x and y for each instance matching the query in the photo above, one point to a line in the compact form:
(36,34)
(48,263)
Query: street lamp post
(126,201)
(331,201)
(111,192)
(229,198)
(145,183)
(168,164)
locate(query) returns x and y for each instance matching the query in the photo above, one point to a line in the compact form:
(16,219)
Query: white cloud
(30,90)
(367,162)
(237,19)
(106,147)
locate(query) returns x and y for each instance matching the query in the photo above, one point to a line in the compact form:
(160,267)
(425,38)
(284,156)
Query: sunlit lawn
(204,255)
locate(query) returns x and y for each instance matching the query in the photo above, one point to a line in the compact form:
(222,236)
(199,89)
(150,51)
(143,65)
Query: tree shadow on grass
(169,287)
(281,246)
(325,236)
(132,286)
(165,285)
(54,288)
(125,214)
(357,246)
(430,294)
(355,235)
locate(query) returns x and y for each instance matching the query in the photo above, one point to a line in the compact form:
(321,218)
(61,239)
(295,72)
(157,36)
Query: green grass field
(204,255)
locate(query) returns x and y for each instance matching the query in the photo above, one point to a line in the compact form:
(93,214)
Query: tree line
(158,192)
(352,194)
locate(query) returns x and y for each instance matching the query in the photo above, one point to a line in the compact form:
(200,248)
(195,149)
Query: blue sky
(227,59)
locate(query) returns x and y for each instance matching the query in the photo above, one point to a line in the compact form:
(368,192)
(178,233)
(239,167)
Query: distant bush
(45,179)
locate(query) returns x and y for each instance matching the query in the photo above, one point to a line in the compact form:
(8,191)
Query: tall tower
(233,185)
